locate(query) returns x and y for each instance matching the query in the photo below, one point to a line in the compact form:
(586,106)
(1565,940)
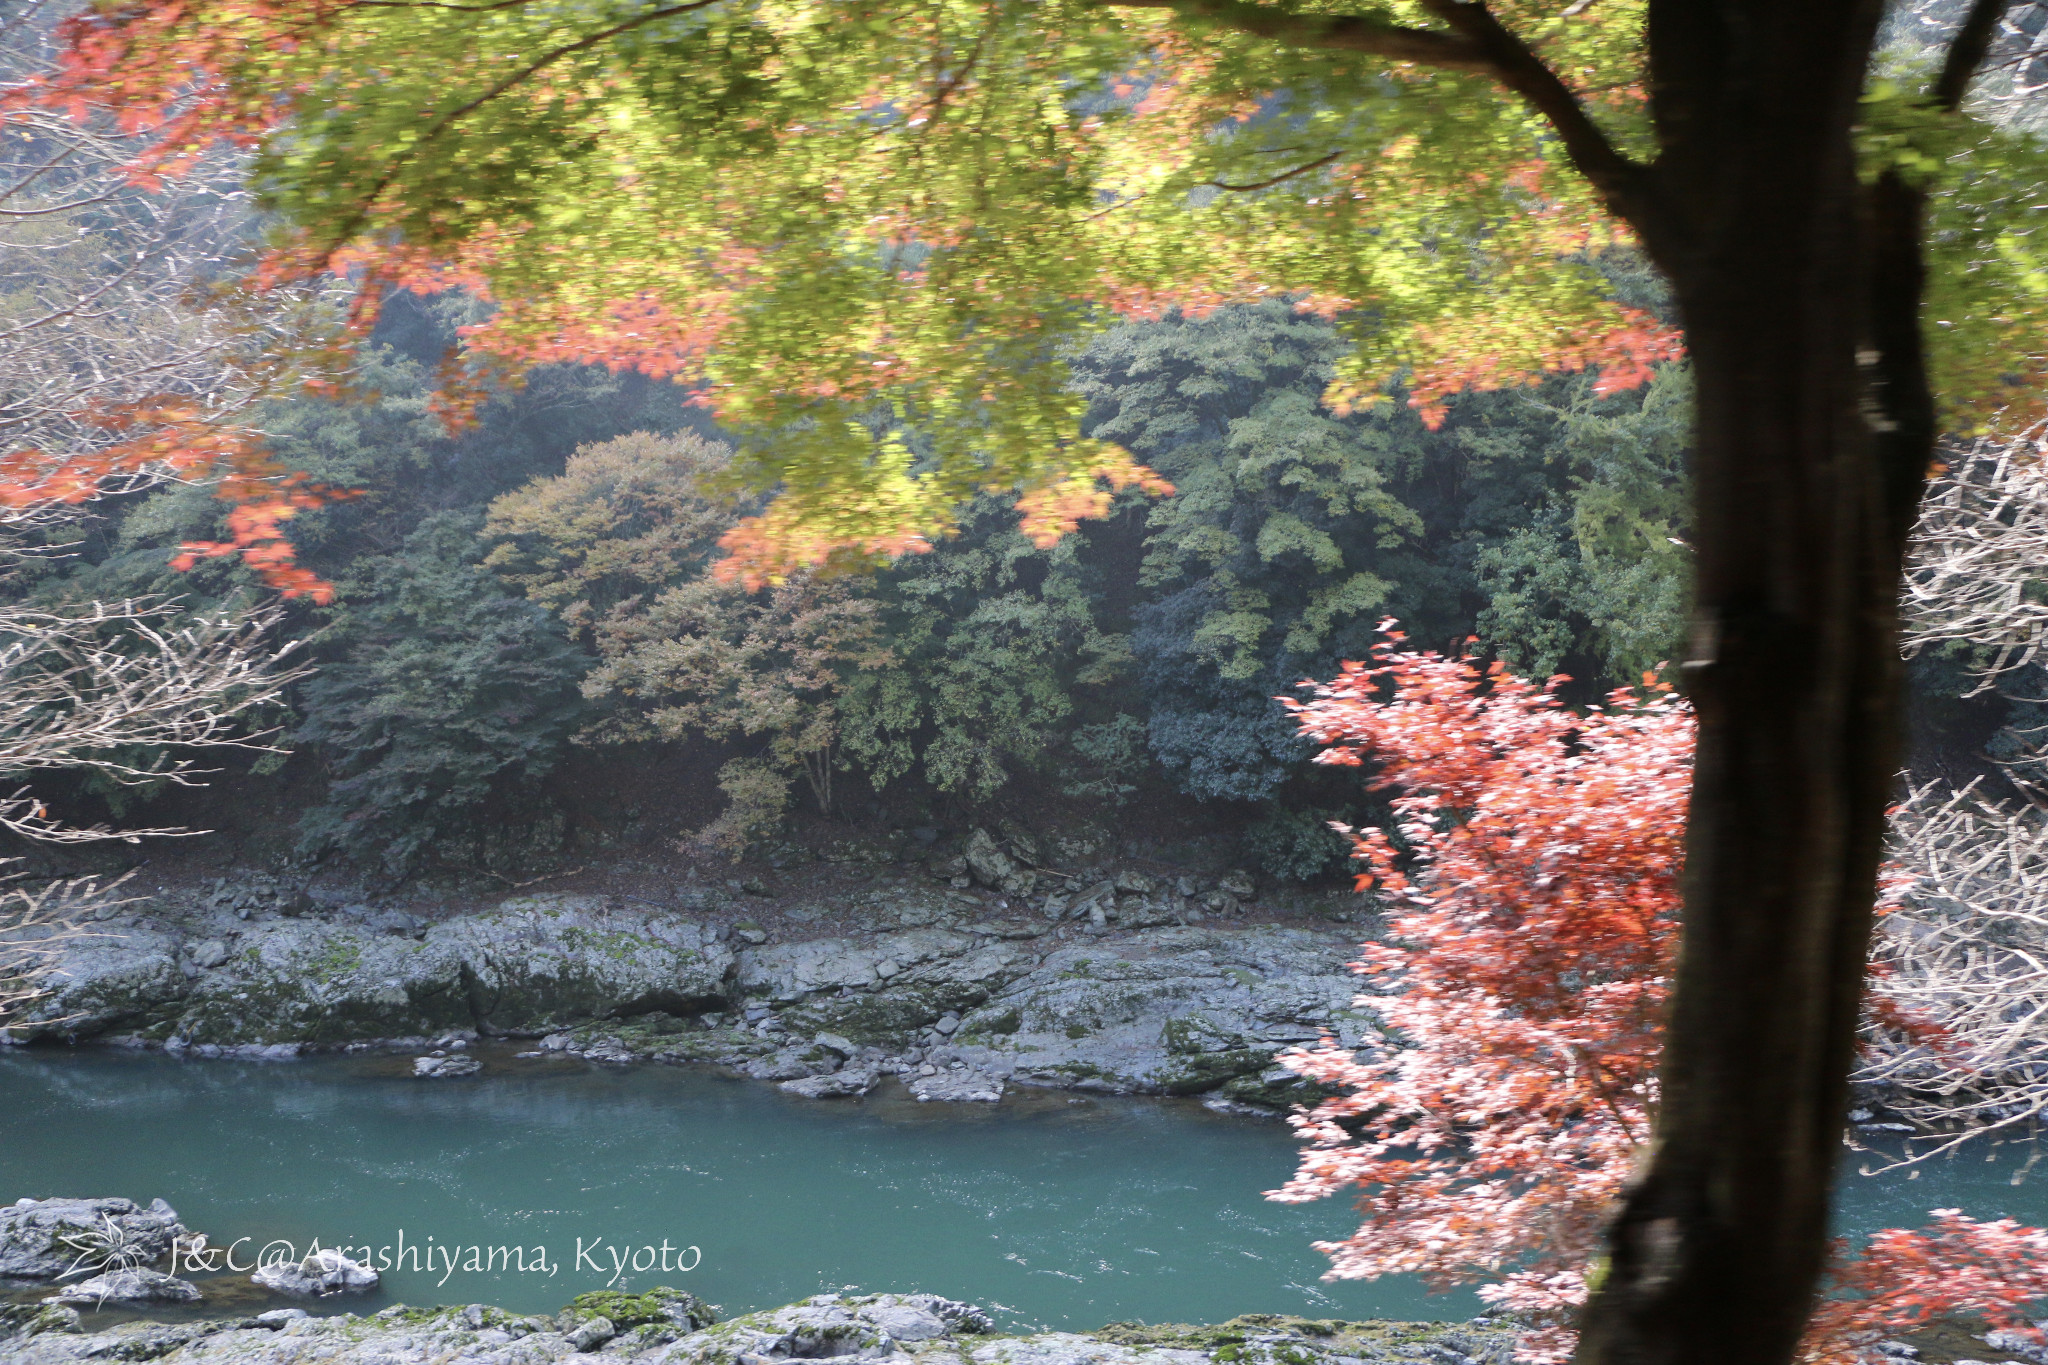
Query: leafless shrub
(36,927)
(1977,572)
(119,317)
(127,691)
(117,295)
(1967,951)
(130,691)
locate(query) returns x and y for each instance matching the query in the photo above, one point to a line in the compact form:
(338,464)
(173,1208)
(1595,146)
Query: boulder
(986,861)
(592,1333)
(1177,1011)
(793,1063)
(43,1239)
(439,1067)
(321,1273)
(532,964)
(127,1286)
(852,1080)
(832,1327)
(956,1083)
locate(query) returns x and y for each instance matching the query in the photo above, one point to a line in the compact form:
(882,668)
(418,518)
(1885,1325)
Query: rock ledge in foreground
(669,1327)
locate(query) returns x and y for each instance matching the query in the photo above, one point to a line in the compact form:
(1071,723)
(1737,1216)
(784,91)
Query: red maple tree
(1534,894)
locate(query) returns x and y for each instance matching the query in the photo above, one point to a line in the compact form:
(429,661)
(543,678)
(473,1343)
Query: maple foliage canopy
(806,207)
(128,354)
(1525,969)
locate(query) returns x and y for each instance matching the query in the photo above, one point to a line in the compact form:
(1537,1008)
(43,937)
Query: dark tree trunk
(1800,293)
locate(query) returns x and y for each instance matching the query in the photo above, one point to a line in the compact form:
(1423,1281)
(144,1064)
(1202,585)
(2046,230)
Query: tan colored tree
(619,545)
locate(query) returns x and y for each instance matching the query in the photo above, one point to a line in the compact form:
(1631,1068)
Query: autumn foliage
(1533,889)
(130,357)
(916,208)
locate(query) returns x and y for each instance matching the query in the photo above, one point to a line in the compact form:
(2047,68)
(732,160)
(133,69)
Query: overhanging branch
(1509,60)
(1477,43)
(1966,52)
(1337,32)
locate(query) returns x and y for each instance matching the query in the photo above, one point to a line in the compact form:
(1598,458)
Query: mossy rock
(1193,1075)
(1276,1093)
(660,1306)
(30,1319)
(1283,1339)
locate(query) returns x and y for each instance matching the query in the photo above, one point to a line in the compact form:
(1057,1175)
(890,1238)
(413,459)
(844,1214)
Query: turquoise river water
(1053,1210)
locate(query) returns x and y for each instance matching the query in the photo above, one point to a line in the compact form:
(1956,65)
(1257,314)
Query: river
(1053,1210)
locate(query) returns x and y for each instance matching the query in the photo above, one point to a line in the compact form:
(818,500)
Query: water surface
(1052,1209)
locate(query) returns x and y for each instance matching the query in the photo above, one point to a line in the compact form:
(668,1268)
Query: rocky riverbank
(960,983)
(668,1327)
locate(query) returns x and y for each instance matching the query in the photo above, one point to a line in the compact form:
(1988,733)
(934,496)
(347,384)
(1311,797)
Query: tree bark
(1799,288)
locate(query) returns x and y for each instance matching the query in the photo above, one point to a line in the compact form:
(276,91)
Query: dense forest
(524,613)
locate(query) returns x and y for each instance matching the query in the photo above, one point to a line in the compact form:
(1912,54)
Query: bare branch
(120,689)
(35,929)
(1479,44)
(1281,178)
(1974,572)
(1969,952)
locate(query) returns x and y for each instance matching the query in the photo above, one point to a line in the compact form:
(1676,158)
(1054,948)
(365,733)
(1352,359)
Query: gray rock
(1071,1348)
(852,1080)
(1169,1011)
(278,1317)
(127,1286)
(2015,1344)
(792,1064)
(534,963)
(835,1326)
(1237,883)
(319,1274)
(42,1239)
(1101,893)
(209,954)
(592,1333)
(955,1083)
(986,861)
(442,1068)
(905,1329)
(1007,929)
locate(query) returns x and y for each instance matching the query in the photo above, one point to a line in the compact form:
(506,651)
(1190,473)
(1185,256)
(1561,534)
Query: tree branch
(1480,45)
(1618,179)
(1338,32)
(1966,52)
(1271,181)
